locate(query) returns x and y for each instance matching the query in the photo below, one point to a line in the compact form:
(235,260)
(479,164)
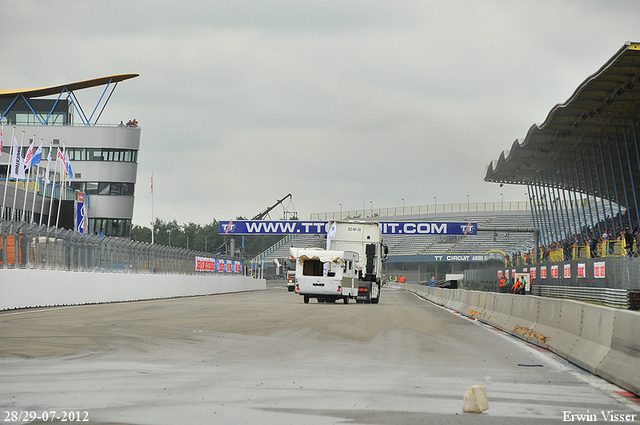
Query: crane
(264,213)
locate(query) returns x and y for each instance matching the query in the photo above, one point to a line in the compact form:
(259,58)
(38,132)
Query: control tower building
(104,157)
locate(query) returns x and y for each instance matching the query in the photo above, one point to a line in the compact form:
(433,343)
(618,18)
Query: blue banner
(242,227)
(81,217)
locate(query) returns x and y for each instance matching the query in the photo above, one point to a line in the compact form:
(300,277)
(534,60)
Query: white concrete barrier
(622,363)
(39,288)
(602,340)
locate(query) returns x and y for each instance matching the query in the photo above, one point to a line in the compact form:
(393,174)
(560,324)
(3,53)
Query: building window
(111,155)
(110,227)
(104,188)
(94,154)
(127,189)
(92,188)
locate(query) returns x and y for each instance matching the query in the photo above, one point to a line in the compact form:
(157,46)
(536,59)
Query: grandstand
(421,247)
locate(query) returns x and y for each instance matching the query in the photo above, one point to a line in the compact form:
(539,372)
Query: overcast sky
(336,102)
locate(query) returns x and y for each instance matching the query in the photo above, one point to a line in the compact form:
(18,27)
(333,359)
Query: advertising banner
(248,227)
(525,279)
(81,214)
(582,270)
(206,264)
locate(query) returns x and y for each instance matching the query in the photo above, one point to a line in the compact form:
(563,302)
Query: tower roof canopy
(55,90)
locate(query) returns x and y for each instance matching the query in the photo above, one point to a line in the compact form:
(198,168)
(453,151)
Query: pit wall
(603,340)
(40,288)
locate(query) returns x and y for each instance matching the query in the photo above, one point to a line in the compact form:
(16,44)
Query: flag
(331,234)
(37,156)
(17,166)
(48,179)
(29,156)
(68,167)
(61,157)
(61,160)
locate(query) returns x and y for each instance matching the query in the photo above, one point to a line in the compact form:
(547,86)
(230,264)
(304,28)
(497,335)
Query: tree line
(205,238)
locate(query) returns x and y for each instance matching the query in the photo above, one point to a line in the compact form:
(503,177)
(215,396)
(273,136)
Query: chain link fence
(31,246)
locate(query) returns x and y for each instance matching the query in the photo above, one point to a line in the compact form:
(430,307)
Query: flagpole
(47,180)
(53,189)
(15,192)
(6,177)
(153,223)
(37,183)
(28,157)
(64,149)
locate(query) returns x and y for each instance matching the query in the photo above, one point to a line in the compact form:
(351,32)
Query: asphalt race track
(267,358)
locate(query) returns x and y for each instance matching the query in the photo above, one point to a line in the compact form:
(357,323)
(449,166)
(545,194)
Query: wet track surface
(268,358)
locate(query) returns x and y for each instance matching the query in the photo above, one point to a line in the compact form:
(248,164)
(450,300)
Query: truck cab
(326,275)
(291,274)
(365,238)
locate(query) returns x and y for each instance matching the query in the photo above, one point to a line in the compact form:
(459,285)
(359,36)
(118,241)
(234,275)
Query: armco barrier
(602,340)
(39,288)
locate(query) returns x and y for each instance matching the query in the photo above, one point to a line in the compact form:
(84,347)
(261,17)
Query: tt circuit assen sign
(242,227)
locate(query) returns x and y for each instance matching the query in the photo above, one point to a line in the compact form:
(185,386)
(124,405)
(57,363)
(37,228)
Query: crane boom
(263,214)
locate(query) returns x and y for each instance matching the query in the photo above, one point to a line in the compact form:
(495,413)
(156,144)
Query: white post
(15,192)
(53,188)
(62,183)
(47,180)
(26,181)
(6,177)
(37,183)
(153,222)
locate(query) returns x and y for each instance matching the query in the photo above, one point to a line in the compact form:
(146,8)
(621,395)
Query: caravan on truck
(350,266)
(326,275)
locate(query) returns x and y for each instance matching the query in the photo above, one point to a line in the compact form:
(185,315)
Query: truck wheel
(306,299)
(290,288)
(375,300)
(346,300)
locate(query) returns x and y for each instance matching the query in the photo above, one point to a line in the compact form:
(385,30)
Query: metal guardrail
(31,246)
(608,296)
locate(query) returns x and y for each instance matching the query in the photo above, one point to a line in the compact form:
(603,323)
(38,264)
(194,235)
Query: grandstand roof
(597,123)
(54,90)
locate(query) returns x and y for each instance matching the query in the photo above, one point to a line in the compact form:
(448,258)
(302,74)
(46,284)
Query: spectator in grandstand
(593,247)
(628,241)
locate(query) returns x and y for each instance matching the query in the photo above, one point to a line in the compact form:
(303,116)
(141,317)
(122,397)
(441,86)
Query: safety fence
(602,250)
(422,209)
(31,246)
(610,281)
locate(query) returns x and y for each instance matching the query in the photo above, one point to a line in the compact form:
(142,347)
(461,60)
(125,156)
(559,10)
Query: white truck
(350,267)
(291,274)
